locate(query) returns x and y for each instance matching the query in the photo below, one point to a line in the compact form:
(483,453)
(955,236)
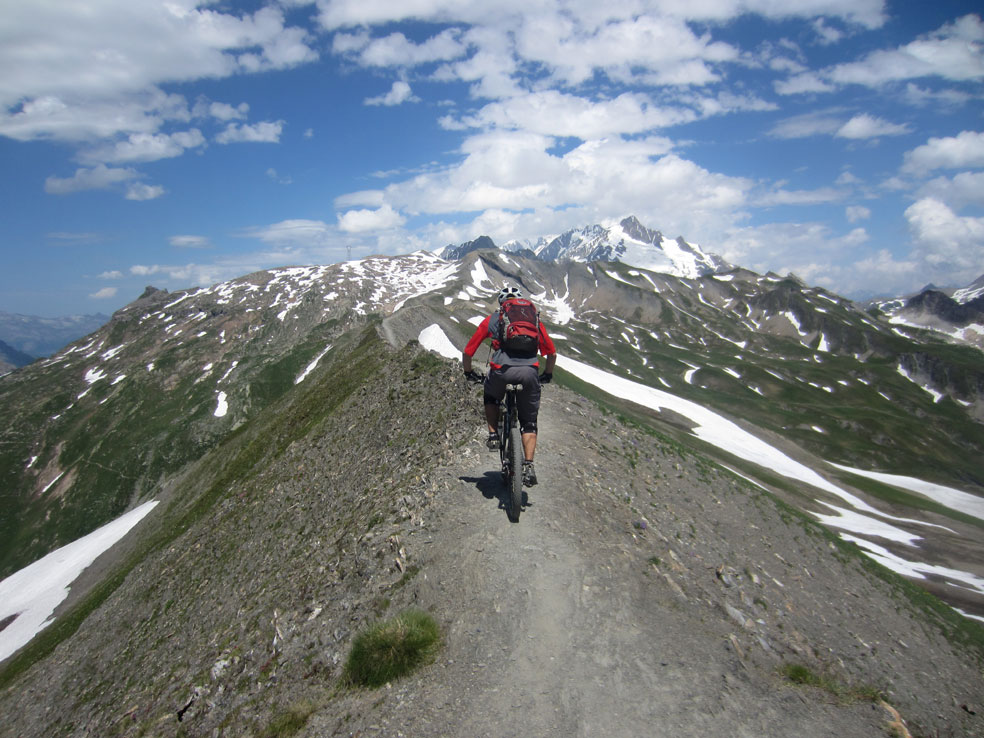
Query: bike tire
(516,457)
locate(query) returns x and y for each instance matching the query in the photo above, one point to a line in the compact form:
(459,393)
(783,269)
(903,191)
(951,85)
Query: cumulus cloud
(360,221)
(224,111)
(144,147)
(964,189)
(868,126)
(951,243)
(114,274)
(854,213)
(264,132)
(398,94)
(395,50)
(555,113)
(99,177)
(953,52)
(966,150)
(140,192)
(107,49)
(832,122)
(512,170)
(104,294)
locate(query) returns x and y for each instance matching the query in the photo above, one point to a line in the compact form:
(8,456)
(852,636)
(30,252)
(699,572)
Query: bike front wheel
(516,477)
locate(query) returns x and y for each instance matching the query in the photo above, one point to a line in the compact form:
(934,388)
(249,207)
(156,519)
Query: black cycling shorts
(529,397)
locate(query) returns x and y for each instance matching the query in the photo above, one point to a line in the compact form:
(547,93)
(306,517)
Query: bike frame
(511,449)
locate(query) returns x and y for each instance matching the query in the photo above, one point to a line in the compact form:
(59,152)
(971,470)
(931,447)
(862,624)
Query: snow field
(33,593)
(859,518)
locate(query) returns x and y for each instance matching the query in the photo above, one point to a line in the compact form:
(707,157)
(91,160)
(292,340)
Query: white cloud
(518,171)
(953,52)
(225,111)
(799,197)
(395,50)
(854,213)
(399,93)
(360,221)
(264,132)
(966,188)
(804,83)
(144,147)
(952,244)
(139,191)
(106,48)
(94,119)
(104,293)
(810,250)
(868,126)
(370,198)
(190,242)
(966,150)
(554,113)
(817,123)
(831,123)
(294,232)
(114,274)
(99,177)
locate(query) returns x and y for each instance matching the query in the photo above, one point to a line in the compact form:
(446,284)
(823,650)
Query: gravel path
(558,625)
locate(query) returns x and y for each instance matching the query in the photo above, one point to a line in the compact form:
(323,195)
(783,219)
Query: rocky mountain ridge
(278,387)
(644,586)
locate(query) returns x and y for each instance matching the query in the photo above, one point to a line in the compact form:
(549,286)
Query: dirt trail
(557,626)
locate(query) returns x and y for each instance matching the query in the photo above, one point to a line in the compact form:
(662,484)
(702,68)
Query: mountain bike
(511,449)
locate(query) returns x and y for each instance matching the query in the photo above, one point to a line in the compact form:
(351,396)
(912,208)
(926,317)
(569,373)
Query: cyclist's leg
(494,391)
(529,407)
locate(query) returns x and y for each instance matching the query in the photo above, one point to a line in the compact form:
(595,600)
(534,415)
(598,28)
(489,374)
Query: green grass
(288,722)
(233,462)
(392,648)
(805,676)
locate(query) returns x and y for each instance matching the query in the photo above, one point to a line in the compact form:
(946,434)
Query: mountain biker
(506,368)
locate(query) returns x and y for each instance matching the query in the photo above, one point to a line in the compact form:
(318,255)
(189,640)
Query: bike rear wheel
(516,457)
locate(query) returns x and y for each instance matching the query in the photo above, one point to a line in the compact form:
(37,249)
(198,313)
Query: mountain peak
(453,253)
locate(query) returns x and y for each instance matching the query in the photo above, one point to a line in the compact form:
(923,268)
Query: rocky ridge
(645,589)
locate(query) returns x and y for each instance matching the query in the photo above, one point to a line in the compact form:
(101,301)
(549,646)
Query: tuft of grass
(805,676)
(392,648)
(289,722)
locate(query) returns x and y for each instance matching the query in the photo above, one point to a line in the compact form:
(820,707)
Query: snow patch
(33,593)
(221,406)
(953,498)
(433,338)
(310,367)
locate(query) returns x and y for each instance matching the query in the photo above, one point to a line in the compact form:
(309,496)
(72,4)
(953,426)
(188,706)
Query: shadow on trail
(492,487)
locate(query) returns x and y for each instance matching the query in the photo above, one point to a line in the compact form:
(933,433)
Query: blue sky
(183,143)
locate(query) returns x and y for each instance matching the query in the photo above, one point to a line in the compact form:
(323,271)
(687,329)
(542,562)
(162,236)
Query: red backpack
(519,328)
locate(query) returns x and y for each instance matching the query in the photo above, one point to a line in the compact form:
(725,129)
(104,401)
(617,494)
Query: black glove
(474,377)
(546,377)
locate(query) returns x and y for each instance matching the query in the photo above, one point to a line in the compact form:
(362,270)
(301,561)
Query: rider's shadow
(492,488)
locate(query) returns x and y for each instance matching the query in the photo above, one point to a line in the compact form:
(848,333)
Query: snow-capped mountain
(632,243)
(956,313)
(298,412)
(628,242)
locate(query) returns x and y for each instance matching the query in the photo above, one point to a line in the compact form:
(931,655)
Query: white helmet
(509,293)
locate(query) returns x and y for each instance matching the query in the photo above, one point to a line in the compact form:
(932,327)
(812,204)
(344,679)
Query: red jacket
(488,328)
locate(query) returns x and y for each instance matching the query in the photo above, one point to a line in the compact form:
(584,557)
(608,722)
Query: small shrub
(392,648)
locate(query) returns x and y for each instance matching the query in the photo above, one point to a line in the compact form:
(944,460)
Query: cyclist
(511,369)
